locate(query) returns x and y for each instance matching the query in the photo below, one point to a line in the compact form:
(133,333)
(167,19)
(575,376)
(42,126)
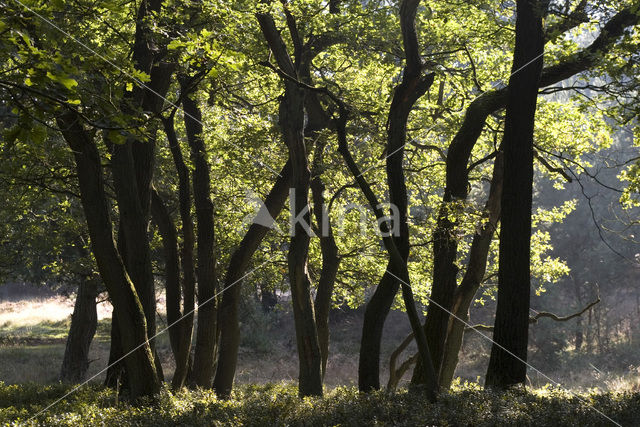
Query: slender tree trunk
(398,263)
(132,324)
(84,322)
(414,84)
(375,315)
(238,263)
(183,356)
(476,268)
(173,294)
(459,152)
(205,350)
(330,258)
(508,367)
(133,223)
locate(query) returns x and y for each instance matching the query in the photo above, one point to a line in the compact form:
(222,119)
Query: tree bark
(398,263)
(291,120)
(84,322)
(507,365)
(132,323)
(238,263)
(205,349)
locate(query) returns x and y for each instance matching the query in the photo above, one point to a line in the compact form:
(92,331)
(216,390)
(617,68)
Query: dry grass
(33,332)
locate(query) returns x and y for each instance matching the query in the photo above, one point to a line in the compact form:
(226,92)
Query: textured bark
(238,263)
(84,322)
(414,84)
(205,349)
(509,351)
(132,324)
(476,268)
(291,120)
(183,361)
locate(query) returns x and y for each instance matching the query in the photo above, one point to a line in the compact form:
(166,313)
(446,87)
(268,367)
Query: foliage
(278,404)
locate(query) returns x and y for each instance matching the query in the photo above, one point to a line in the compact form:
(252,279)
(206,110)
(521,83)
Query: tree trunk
(291,122)
(173,294)
(414,84)
(84,322)
(310,361)
(131,320)
(476,268)
(398,264)
(459,152)
(375,314)
(183,356)
(238,263)
(205,350)
(507,365)
(330,258)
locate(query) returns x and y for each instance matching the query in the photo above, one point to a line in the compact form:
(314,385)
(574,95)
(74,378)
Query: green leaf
(67,82)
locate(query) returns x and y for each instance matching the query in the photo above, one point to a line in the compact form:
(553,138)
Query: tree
(507,365)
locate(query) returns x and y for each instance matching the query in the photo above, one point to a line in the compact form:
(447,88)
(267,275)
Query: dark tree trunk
(134,223)
(375,315)
(131,320)
(133,164)
(457,183)
(183,356)
(115,366)
(414,84)
(84,322)
(205,350)
(509,351)
(310,360)
(228,315)
(173,294)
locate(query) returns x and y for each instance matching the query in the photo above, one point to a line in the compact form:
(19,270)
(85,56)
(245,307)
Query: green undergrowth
(278,404)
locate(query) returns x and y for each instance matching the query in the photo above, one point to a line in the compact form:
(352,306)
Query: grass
(32,341)
(278,404)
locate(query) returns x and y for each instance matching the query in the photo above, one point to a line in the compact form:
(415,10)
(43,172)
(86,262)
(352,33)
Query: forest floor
(33,330)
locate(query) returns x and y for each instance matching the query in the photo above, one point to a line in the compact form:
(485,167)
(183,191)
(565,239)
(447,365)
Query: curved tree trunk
(84,322)
(238,263)
(414,84)
(473,277)
(507,365)
(173,293)
(398,263)
(459,152)
(291,122)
